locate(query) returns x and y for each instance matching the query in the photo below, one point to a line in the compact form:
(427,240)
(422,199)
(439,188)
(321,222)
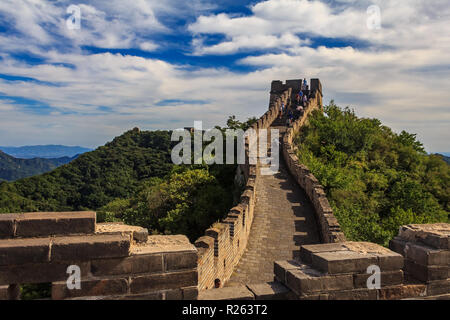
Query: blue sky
(165,64)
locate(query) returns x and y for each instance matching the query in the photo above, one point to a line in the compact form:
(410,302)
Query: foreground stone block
(227,293)
(129,265)
(435,235)
(40,272)
(91,287)
(350,257)
(426,273)
(83,248)
(281,268)
(402,292)
(138,234)
(309,281)
(22,251)
(40,224)
(165,281)
(6,226)
(389,278)
(438,287)
(269,291)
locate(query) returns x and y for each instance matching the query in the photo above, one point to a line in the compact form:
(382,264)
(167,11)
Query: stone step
(44,224)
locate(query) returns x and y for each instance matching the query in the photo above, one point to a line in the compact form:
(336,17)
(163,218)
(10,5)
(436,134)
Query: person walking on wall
(305,100)
(281,110)
(305,84)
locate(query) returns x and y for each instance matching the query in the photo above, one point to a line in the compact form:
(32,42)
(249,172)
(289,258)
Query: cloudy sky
(163,64)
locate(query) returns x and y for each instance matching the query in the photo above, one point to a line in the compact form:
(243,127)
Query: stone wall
(223,245)
(116,261)
(328,225)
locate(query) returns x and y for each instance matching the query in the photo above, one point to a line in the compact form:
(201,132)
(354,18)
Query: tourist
(305,100)
(305,84)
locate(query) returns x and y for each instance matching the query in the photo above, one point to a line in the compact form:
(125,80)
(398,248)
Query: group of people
(301,99)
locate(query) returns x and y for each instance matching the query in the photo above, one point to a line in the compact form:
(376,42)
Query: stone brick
(435,235)
(136,264)
(425,255)
(281,267)
(438,287)
(190,293)
(3,292)
(356,294)
(426,273)
(90,247)
(401,292)
(309,281)
(342,261)
(7,226)
(163,281)
(398,245)
(390,261)
(90,287)
(389,278)
(227,293)
(176,294)
(39,272)
(306,251)
(180,260)
(269,291)
(39,224)
(22,251)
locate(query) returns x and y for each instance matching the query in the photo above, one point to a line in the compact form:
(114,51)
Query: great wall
(281,241)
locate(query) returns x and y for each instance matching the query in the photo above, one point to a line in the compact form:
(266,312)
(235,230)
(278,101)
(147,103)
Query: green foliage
(12,168)
(376,180)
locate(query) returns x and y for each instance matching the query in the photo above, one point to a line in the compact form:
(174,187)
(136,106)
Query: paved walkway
(284,219)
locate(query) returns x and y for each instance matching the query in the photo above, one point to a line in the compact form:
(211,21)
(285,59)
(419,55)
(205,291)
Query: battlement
(115,261)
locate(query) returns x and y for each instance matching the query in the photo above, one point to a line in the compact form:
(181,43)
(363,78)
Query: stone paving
(284,220)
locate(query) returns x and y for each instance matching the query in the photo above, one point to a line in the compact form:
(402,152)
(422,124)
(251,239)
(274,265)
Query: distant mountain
(445,156)
(13,168)
(44,151)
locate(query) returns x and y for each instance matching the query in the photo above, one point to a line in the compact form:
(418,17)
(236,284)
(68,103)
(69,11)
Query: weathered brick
(356,294)
(7,226)
(306,251)
(227,293)
(40,272)
(269,291)
(426,273)
(39,224)
(190,293)
(3,292)
(90,287)
(390,261)
(180,260)
(401,292)
(135,264)
(163,281)
(89,247)
(281,267)
(176,294)
(398,245)
(438,287)
(389,278)
(22,251)
(425,255)
(342,261)
(311,281)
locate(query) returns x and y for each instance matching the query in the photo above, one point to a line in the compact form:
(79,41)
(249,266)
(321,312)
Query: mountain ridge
(50,151)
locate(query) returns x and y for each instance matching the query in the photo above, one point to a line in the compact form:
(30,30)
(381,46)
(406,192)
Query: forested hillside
(12,168)
(131,179)
(376,180)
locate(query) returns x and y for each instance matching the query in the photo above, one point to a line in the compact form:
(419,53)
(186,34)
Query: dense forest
(376,180)
(12,168)
(132,179)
